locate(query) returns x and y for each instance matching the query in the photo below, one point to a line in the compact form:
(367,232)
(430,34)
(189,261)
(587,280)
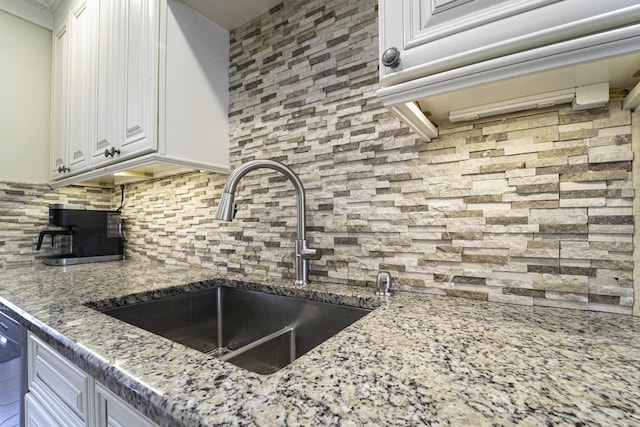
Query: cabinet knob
(63,169)
(391,57)
(111,152)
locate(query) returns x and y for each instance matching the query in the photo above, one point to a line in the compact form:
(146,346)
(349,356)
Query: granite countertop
(417,359)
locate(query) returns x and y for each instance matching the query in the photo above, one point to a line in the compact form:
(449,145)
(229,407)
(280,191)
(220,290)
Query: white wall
(25,100)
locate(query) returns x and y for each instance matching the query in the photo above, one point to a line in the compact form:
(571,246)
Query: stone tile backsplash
(531,208)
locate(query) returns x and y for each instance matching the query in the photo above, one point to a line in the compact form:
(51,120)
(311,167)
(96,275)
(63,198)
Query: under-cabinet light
(133,174)
(542,100)
(582,97)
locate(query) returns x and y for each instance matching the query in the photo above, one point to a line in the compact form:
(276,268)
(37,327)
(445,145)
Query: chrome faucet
(227,210)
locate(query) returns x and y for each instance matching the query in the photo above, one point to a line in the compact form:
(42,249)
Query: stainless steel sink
(254,330)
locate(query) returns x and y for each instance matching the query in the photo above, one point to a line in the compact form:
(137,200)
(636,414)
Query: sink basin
(257,331)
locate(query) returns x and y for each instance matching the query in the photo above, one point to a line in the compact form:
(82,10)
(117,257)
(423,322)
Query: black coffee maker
(87,235)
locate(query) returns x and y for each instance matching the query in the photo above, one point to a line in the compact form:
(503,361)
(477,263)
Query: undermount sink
(254,330)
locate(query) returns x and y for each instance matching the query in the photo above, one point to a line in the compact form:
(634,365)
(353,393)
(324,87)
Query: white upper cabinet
(463,56)
(140,89)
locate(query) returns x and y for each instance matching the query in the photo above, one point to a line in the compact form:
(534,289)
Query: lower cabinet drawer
(50,375)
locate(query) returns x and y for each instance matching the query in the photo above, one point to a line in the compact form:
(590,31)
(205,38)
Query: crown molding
(38,12)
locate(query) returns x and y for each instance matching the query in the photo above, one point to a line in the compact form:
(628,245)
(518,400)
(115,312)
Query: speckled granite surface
(415,360)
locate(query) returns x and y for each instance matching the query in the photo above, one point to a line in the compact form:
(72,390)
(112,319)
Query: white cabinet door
(433,36)
(107,81)
(36,415)
(43,412)
(58,385)
(59,110)
(82,77)
(73,97)
(111,411)
(127,84)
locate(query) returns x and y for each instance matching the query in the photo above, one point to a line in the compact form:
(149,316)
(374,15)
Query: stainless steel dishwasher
(13,371)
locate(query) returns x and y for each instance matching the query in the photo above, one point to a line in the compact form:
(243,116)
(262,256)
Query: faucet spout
(227,208)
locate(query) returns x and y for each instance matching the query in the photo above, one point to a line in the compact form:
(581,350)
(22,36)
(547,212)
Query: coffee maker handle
(40,237)
(52,233)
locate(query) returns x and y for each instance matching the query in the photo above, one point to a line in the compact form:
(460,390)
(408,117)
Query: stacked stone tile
(551,194)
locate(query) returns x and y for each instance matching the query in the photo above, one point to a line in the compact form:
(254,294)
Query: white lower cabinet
(58,385)
(61,394)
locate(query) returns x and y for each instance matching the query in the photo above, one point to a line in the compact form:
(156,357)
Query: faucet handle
(305,252)
(308,253)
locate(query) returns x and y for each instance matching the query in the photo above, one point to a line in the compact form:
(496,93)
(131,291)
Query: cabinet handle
(63,169)
(391,57)
(111,152)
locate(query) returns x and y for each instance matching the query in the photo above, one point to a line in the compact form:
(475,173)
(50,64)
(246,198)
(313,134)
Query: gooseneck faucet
(227,210)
